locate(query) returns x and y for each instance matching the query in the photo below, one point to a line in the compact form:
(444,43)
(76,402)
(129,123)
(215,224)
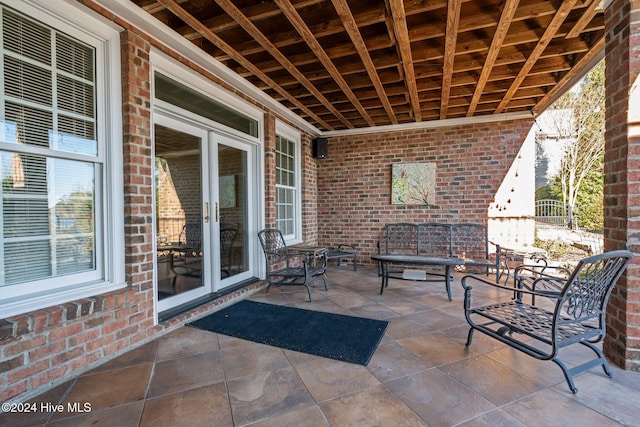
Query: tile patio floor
(420,375)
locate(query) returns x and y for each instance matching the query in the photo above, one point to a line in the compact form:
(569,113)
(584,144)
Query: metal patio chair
(228,233)
(186,260)
(285,267)
(573,314)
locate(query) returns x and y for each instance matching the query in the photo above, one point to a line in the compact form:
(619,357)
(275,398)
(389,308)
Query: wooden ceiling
(345,64)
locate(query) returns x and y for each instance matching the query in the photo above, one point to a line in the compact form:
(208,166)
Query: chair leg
(567,375)
(469,337)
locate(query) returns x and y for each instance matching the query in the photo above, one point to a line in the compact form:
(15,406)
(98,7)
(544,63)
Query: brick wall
(354,182)
(622,177)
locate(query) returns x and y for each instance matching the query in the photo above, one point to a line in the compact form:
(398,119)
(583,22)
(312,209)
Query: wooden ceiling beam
(294,18)
(401,33)
(258,12)
(550,31)
(177,10)
(502,30)
(324,29)
(576,70)
(423,53)
(250,28)
(453,20)
(584,20)
(342,8)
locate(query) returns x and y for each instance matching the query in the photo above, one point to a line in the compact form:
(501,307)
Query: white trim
(133,14)
(285,131)
(432,124)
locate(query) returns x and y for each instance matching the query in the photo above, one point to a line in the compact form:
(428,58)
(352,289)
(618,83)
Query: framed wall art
(413,183)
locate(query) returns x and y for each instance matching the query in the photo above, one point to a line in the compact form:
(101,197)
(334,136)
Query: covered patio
(314,102)
(421,374)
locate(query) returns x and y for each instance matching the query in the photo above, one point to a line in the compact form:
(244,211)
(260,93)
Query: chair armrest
(501,287)
(542,270)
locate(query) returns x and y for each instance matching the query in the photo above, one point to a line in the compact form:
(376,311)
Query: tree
(577,120)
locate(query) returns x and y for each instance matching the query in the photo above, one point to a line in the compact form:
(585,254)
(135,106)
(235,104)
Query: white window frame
(285,131)
(85,26)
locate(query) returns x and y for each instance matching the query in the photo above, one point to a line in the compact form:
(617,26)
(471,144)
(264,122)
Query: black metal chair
(290,268)
(187,259)
(228,233)
(573,314)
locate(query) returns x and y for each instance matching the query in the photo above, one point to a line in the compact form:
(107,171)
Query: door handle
(217,216)
(206,212)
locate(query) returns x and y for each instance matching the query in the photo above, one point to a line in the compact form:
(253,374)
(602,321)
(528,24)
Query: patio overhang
(335,66)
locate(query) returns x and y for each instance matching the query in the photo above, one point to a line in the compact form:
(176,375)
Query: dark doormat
(335,336)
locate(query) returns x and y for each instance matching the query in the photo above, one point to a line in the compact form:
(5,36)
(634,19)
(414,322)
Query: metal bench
(571,314)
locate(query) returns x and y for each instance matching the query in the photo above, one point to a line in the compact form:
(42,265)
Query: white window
(54,163)
(288,206)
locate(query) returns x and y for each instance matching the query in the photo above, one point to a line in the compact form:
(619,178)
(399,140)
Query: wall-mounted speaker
(320,148)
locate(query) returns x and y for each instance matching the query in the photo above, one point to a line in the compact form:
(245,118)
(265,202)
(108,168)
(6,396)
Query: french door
(203,200)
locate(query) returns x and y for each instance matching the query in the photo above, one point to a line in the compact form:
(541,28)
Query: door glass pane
(232,169)
(178,211)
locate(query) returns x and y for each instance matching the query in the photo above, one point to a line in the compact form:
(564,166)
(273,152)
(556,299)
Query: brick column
(270,170)
(622,176)
(138,164)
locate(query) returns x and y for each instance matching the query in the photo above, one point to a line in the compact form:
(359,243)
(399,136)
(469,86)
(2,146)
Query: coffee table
(386,273)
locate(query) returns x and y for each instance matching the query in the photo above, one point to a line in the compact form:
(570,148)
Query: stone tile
(544,372)
(297,357)
(185,342)
(141,355)
(437,349)
(252,359)
(226,342)
(109,389)
(186,373)
(549,408)
(350,300)
(404,306)
(492,380)
(113,417)
(432,300)
(206,406)
(326,378)
(404,327)
(325,305)
(374,406)
(36,415)
(437,319)
(627,378)
(603,395)
(392,361)
(374,311)
(439,399)
(481,343)
(267,394)
(495,418)
(310,416)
